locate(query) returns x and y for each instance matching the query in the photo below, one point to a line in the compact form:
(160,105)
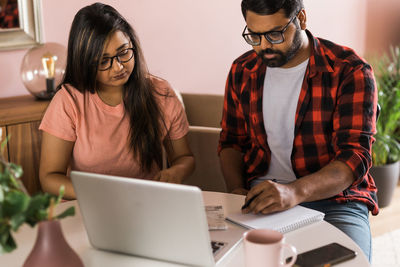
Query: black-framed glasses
(274,37)
(122,57)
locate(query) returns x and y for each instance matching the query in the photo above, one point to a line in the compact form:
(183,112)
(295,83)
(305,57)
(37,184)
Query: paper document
(283,221)
(215,218)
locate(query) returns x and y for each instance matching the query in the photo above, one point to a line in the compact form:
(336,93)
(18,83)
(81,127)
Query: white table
(306,238)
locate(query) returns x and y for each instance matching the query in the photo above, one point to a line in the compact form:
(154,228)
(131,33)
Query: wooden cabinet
(20,118)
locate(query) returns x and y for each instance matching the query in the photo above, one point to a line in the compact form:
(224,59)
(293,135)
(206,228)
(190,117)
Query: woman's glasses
(122,57)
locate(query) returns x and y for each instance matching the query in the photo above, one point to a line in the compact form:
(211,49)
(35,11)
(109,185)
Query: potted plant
(18,207)
(386,149)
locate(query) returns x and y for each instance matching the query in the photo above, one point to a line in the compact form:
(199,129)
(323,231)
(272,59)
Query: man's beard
(281,58)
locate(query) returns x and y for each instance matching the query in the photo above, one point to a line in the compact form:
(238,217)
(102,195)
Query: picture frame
(29,33)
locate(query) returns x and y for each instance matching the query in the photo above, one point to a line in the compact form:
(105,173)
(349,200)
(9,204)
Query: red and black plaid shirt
(335,117)
(9,15)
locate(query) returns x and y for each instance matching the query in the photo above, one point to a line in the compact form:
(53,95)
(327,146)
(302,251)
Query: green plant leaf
(386,149)
(8,246)
(60,194)
(17,220)
(17,207)
(41,215)
(37,209)
(16,169)
(1,194)
(15,202)
(7,242)
(68,212)
(3,144)
(379,153)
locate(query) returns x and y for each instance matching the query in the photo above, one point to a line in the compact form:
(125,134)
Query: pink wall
(383,24)
(192,43)
(341,21)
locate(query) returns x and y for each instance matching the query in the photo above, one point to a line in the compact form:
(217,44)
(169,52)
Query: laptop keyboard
(217,246)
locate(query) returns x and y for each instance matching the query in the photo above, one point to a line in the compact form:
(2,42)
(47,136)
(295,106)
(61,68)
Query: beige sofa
(204,114)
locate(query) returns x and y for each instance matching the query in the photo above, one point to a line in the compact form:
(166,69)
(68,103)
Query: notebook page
(284,221)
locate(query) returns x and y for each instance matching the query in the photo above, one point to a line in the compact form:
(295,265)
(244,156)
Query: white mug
(265,247)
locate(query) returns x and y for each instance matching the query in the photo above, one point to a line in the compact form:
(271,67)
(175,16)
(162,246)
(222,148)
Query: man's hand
(271,197)
(325,183)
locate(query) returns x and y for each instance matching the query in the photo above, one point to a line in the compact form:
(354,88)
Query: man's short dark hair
(269,7)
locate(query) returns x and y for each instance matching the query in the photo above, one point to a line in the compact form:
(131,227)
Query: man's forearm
(325,183)
(231,162)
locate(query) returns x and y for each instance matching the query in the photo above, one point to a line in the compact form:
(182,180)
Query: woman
(110,115)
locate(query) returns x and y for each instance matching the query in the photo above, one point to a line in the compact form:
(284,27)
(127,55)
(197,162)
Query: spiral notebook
(283,221)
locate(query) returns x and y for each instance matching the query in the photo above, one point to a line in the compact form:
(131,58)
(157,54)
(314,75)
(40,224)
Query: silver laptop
(150,219)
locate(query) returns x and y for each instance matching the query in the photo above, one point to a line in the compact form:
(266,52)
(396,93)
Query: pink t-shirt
(101,132)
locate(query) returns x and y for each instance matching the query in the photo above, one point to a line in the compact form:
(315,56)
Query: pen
(249,201)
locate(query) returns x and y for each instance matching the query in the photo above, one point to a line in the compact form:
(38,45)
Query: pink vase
(51,248)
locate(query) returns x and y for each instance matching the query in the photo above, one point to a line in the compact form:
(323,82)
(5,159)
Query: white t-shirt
(282,88)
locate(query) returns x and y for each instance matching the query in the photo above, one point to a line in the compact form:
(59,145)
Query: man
(298,121)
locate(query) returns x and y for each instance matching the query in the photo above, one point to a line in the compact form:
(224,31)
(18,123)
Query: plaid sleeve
(233,134)
(354,120)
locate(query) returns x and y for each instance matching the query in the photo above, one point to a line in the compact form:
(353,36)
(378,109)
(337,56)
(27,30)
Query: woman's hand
(168,176)
(240,191)
(181,161)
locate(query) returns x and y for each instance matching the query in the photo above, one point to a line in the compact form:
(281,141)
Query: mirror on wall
(20,24)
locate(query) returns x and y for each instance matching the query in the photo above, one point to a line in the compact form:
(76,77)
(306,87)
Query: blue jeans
(350,217)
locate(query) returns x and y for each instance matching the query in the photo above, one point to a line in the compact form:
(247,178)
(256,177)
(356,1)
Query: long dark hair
(90,29)
(269,7)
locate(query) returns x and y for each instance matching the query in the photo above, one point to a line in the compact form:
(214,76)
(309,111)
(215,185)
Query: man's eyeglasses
(122,57)
(274,37)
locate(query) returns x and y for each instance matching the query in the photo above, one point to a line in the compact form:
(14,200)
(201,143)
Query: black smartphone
(325,256)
